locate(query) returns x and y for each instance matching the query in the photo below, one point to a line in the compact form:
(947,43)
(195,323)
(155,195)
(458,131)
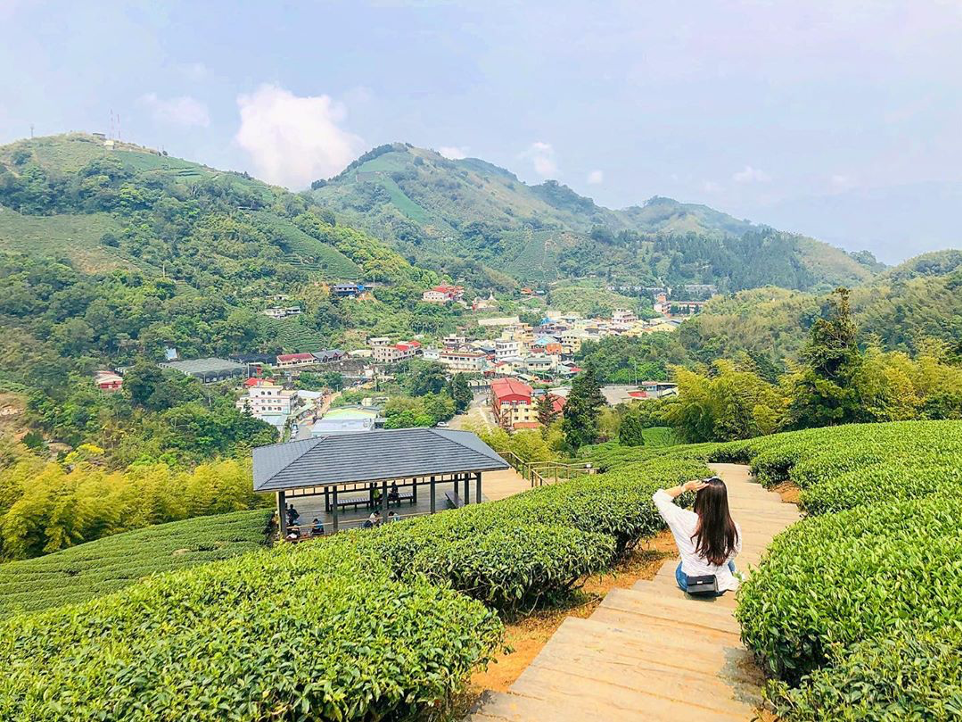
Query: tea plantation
(106,565)
(367,625)
(853,612)
(856,609)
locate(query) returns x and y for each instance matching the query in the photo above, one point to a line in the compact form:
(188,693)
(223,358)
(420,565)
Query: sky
(841,120)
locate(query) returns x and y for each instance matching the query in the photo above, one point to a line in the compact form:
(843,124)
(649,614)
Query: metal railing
(540,473)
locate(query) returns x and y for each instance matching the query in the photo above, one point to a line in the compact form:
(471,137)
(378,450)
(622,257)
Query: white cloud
(595,177)
(751,175)
(454,152)
(542,157)
(294,140)
(182,110)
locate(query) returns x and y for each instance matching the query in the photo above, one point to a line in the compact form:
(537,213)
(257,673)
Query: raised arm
(693,485)
(664,500)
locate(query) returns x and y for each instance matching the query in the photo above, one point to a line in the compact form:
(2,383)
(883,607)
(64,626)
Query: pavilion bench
(354,501)
(399,498)
(454,499)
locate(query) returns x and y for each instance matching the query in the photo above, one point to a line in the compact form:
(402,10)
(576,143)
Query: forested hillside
(902,310)
(435,210)
(108,255)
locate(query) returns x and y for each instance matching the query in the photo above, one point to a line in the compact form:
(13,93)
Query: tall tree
(631,431)
(580,423)
(461,393)
(825,391)
(547,414)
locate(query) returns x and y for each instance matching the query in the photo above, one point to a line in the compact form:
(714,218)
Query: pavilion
(357,470)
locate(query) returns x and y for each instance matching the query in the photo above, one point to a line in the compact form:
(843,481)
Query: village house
(108,381)
(295,360)
(388,354)
(279,312)
(453,340)
(265,398)
(511,404)
(463,361)
(505,348)
(623,316)
(347,290)
(443,294)
(328,356)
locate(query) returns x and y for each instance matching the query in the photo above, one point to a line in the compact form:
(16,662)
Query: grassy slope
(76,236)
(106,565)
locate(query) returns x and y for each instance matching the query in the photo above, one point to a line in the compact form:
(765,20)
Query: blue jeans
(682,578)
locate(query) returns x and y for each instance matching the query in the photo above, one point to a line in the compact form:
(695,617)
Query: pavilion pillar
(335,508)
(327,499)
(467,489)
(282,513)
(414,490)
(384,500)
(477,482)
(433,500)
(457,479)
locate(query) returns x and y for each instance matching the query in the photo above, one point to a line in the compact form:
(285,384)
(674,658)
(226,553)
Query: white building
(279,312)
(505,348)
(623,316)
(389,354)
(265,398)
(466,361)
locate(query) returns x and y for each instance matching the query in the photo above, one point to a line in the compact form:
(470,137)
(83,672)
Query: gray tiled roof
(203,366)
(371,456)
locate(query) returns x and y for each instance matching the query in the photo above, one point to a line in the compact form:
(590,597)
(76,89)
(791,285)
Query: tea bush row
(367,625)
(849,466)
(913,675)
(318,632)
(855,609)
(99,567)
(517,552)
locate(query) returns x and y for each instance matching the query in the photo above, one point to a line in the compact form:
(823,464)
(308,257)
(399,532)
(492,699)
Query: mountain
(109,251)
(902,310)
(434,209)
(105,205)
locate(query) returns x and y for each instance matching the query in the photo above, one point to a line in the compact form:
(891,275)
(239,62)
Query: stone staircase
(651,652)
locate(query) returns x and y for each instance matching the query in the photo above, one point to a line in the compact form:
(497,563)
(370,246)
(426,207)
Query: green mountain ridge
(903,309)
(432,208)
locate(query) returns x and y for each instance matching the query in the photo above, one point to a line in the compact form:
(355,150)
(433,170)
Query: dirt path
(650,652)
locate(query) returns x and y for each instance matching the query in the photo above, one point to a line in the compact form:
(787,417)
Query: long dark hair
(715,536)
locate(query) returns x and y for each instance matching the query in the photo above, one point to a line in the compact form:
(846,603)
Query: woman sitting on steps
(707,538)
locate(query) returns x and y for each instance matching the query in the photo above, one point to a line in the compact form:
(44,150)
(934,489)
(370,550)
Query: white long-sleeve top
(682,524)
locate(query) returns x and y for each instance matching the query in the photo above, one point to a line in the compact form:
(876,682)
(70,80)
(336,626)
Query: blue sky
(839,119)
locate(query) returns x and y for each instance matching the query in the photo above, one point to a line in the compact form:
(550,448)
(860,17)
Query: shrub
(508,564)
(107,565)
(834,580)
(515,553)
(289,634)
(914,675)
